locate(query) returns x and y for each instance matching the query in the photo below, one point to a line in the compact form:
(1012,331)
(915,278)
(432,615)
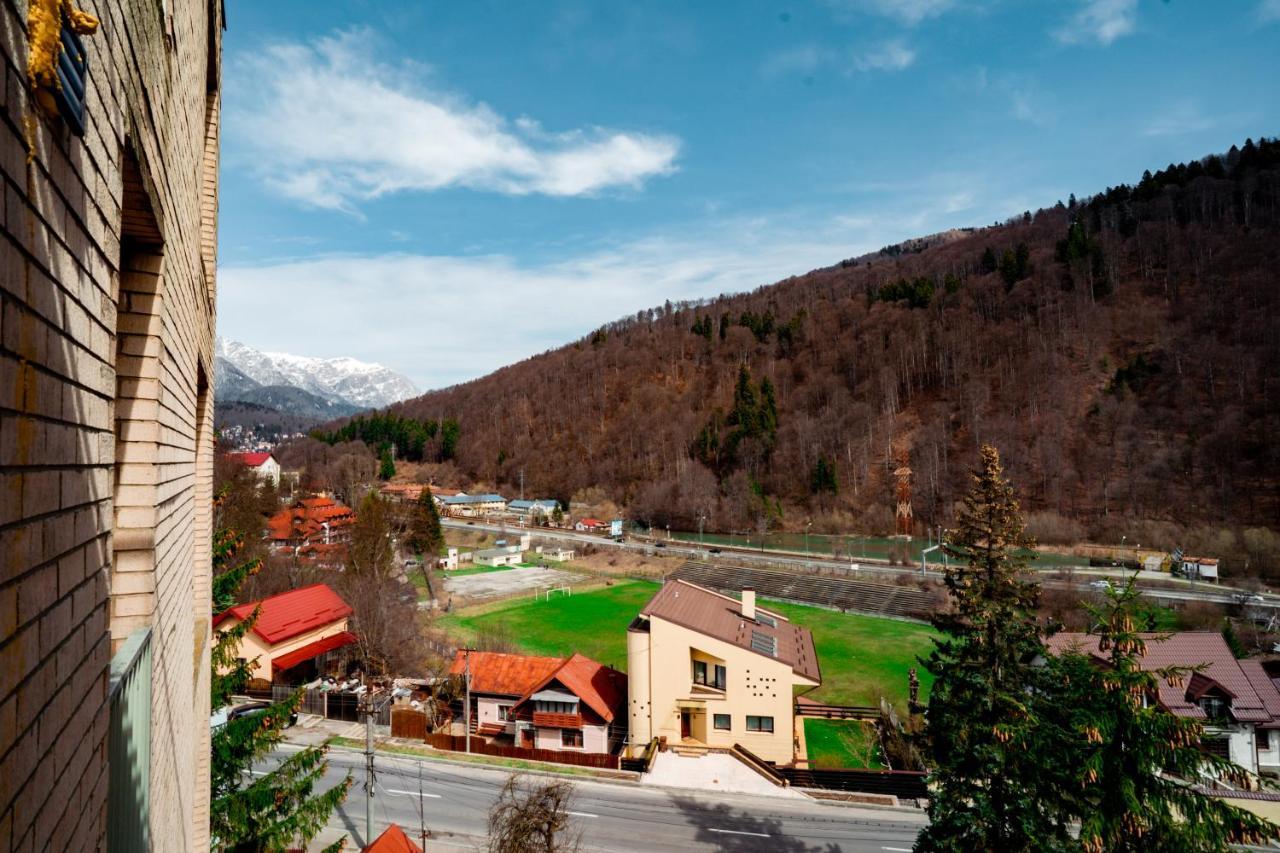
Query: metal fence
(129,746)
(332,704)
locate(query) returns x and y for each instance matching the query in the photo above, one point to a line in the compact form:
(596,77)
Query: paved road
(744,556)
(619,818)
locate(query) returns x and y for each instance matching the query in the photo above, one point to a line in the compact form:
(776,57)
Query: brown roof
(393,840)
(707,612)
(505,675)
(1264,685)
(1192,648)
(601,688)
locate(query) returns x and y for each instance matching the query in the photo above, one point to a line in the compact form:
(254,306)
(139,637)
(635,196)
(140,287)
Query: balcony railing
(557,721)
(129,746)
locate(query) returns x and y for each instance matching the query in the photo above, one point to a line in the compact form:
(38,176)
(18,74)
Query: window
(1218,746)
(766,619)
(1214,707)
(504,713)
(556,707)
(759,724)
(571,737)
(717,677)
(766,644)
(1263,739)
(721,722)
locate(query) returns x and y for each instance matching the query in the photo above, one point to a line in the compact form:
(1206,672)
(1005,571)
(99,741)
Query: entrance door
(684,724)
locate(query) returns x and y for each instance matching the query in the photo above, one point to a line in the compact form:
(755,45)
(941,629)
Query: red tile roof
(503,674)
(393,840)
(599,687)
(253,460)
(305,520)
(1191,648)
(311,650)
(719,616)
(291,613)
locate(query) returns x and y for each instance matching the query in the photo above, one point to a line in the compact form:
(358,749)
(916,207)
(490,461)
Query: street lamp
(807,525)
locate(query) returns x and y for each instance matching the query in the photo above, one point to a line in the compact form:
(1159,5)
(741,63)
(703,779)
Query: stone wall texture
(107,286)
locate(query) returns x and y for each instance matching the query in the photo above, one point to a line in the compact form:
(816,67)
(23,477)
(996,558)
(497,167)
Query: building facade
(707,670)
(294,629)
(108,168)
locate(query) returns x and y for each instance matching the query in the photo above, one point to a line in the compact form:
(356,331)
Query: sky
(449,187)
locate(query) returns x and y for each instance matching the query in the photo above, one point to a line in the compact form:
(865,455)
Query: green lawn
(474,570)
(842,743)
(862,657)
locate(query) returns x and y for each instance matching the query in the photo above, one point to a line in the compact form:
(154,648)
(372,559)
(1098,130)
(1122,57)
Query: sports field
(862,657)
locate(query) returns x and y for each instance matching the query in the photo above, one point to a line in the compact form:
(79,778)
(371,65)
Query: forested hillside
(1123,352)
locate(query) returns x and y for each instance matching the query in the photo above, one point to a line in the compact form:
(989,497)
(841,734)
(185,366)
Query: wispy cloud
(1099,21)
(1185,117)
(1269,11)
(1025,99)
(908,12)
(331,125)
(892,55)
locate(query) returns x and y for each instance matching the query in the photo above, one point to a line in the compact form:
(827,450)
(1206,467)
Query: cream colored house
(706,669)
(294,633)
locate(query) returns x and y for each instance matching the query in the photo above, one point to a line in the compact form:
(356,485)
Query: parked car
(1247,598)
(1102,586)
(713,551)
(251,709)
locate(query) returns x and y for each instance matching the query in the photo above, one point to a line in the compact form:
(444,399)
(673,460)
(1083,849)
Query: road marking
(582,814)
(739,832)
(412,793)
(898,849)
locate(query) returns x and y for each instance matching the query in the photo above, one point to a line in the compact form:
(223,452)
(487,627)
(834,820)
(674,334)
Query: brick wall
(107,248)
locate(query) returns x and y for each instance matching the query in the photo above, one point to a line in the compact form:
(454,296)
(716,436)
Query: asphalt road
(620,818)
(743,556)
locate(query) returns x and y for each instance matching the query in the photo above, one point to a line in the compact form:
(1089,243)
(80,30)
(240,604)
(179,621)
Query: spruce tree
(387,467)
(257,814)
(1134,761)
(425,533)
(993,778)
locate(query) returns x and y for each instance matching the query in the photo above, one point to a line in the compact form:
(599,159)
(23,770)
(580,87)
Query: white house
(507,555)
(1237,700)
(556,554)
(262,464)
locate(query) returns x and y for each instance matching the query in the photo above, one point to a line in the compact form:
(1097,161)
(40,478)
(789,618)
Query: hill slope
(1124,353)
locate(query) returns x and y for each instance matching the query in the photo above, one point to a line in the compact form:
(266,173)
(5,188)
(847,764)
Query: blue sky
(448,187)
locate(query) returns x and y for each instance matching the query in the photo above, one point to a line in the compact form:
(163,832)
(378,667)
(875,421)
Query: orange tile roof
(601,688)
(393,840)
(503,674)
(253,460)
(291,613)
(306,519)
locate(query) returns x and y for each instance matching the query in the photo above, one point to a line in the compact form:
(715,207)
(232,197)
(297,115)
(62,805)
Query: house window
(1214,707)
(721,722)
(1219,746)
(571,738)
(715,678)
(544,707)
(759,724)
(1263,739)
(504,713)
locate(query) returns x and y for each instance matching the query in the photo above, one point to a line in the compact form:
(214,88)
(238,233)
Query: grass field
(474,570)
(842,743)
(862,657)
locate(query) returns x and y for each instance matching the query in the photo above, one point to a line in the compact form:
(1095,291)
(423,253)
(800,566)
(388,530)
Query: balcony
(546,719)
(129,745)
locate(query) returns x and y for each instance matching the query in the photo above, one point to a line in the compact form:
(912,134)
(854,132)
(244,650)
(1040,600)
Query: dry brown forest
(1122,351)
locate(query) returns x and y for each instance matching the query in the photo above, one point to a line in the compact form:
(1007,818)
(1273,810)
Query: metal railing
(129,746)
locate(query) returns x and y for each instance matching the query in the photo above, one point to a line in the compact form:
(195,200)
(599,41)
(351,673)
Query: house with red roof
(1238,701)
(590,525)
(316,520)
(295,635)
(574,704)
(393,840)
(262,464)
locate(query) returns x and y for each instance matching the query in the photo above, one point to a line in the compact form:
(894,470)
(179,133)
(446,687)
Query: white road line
(582,814)
(897,849)
(738,832)
(411,793)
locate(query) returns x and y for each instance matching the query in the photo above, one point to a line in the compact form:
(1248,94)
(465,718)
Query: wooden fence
(457,743)
(904,784)
(837,712)
(408,723)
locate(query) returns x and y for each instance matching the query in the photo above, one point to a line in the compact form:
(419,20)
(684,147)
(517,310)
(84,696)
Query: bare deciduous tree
(532,816)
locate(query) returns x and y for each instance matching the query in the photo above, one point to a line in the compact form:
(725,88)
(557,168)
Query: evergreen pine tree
(387,468)
(256,814)
(425,534)
(993,778)
(1133,759)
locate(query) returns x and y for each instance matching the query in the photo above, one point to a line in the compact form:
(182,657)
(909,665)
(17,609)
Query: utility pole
(466,680)
(368,768)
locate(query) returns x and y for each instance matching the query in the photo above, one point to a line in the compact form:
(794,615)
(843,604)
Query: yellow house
(706,669)
(293,630)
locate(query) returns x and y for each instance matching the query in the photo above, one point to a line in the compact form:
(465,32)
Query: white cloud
(908,12)
(330,124)
(1185,117)
(1269,11)
(890,56)
(1100,21)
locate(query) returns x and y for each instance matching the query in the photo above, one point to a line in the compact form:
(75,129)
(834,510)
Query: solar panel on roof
(765,619)
(764,643)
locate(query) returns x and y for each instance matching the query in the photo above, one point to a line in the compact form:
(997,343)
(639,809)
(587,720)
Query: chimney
(749,603)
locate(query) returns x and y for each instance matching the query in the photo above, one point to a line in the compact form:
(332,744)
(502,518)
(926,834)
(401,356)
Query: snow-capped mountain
(340,380)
